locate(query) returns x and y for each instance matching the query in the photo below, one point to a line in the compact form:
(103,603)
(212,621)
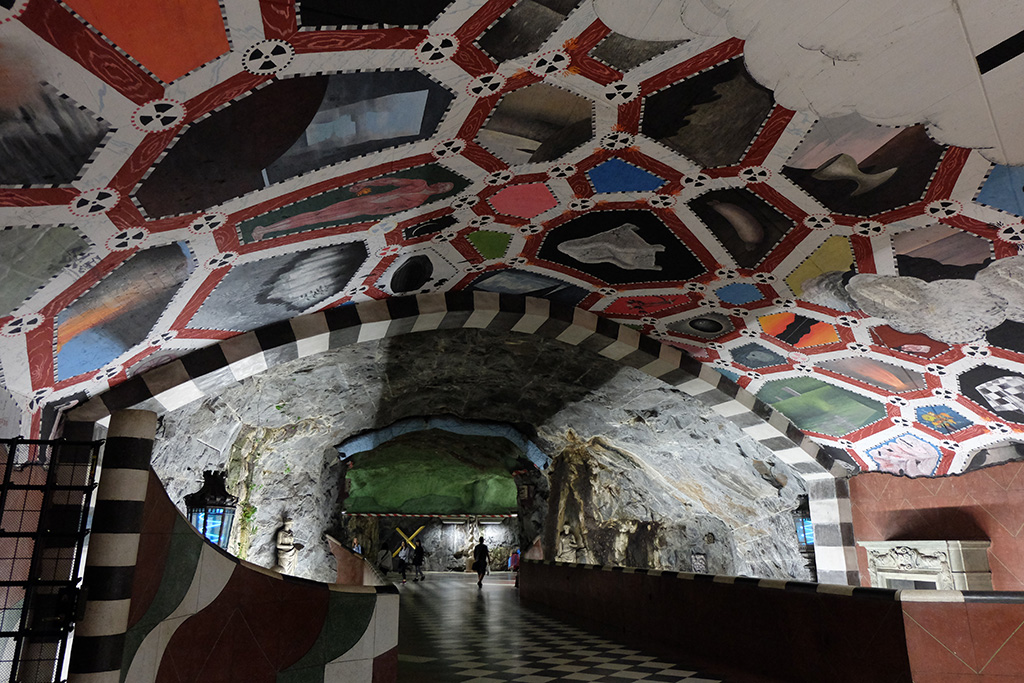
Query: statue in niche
(620,246)
(287,548)
(569,545)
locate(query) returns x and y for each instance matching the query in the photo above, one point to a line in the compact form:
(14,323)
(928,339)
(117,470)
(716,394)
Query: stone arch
(206,371)
(531,509)
(360,443)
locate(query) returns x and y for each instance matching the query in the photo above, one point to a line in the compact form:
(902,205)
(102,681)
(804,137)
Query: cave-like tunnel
(608,445)
(712,309)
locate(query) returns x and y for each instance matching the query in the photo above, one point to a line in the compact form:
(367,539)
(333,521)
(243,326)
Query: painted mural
(815,406)
(429,227)
(1004,189)
(855,167)
(525,28)
(292,127)
(540,122)
(939,252)
(525,283)
(747,226)
(710,118)
(32,256)
(618,247)
(363,113)
(624,53)
(45,138)
(333,13)
(843,243)
(421,271)
(281,287)
(357,203)
(120,311)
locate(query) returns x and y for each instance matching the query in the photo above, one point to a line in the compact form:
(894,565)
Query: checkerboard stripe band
(209,370)
(113,547)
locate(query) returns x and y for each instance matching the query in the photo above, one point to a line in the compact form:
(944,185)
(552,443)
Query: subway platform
(452,631)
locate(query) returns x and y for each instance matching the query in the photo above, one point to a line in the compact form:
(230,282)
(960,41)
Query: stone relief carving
(908,560)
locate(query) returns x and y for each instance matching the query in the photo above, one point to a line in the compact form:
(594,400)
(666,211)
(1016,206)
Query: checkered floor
(452,631)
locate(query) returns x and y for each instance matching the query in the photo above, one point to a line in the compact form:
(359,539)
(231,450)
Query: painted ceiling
(822,199)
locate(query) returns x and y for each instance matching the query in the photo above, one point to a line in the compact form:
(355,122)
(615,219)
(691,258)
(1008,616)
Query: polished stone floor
(450,630)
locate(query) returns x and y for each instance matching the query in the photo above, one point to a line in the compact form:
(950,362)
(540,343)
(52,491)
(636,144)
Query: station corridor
(452,631)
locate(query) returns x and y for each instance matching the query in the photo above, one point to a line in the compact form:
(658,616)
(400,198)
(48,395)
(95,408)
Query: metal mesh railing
(45,493)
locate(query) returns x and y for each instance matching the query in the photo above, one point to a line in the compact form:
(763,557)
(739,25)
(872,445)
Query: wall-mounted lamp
(211,509)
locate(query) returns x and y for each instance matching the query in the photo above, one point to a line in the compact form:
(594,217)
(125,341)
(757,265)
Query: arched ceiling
(172,177)
(661,452)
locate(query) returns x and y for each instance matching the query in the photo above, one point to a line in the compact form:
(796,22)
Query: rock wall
(655,456)
(448,547)
(609,507)
(281,471)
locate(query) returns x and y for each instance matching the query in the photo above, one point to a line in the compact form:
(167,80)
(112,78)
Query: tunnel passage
(661,464)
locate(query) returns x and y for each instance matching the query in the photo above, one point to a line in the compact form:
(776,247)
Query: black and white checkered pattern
(453,631)
(1005,394)
(117,521)
(208,371)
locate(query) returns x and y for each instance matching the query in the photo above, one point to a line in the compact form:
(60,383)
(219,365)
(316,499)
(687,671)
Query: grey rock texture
(953,311)
(287,470)
(642,452)
(447,547)
(610,507)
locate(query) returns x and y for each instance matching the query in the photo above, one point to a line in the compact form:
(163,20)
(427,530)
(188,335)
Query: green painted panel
(819,407)
(489,243)
(435,472)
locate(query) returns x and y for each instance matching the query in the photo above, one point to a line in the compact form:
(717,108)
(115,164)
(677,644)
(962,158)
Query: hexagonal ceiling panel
(45,137)
(120,310)
(844,245)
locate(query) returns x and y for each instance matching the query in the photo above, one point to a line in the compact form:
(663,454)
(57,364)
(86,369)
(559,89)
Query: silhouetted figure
(480,557)
(417,562)
(513,564)
(384,563)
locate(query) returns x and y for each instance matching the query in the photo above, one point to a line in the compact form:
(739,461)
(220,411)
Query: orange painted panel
(170,37)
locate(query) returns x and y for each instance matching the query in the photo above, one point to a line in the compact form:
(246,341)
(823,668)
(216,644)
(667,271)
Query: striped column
(98,646)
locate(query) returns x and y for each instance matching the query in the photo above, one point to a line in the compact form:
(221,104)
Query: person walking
(417,562)
(384,563)
(481,555)
(404,558)
(513,564)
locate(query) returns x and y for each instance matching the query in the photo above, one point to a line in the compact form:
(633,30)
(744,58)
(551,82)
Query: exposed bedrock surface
(641,473)
(433,471)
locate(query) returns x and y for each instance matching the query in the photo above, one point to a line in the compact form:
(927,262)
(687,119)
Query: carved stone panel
(941,565)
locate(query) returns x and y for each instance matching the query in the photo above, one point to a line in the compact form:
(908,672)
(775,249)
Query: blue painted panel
(615,175)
